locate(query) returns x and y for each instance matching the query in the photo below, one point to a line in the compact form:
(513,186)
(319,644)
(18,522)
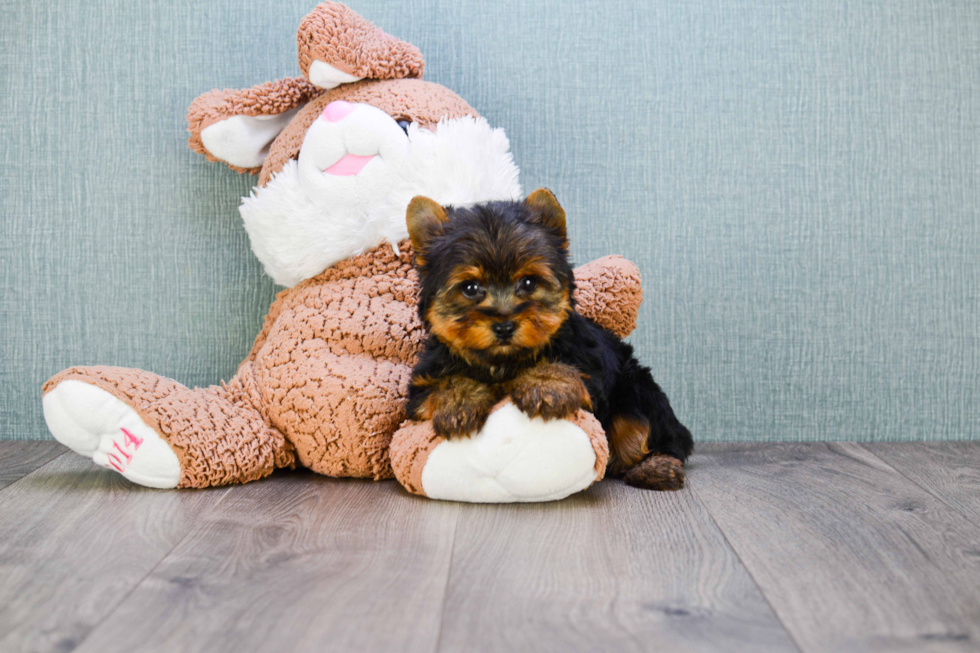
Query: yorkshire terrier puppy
(497,299)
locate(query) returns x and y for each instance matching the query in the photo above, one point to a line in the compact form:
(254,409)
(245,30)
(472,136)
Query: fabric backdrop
(799,182)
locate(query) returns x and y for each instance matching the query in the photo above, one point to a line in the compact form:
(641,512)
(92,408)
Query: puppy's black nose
(504,330)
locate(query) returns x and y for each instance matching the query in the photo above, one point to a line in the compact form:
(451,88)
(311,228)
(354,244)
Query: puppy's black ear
(424,217)
(545,210)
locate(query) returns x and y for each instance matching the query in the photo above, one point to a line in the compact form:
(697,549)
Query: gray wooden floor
(771,547)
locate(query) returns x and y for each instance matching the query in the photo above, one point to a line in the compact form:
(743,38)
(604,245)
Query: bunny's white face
(356,172)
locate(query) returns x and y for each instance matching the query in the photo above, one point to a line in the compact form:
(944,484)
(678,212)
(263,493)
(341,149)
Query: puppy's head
(496,283)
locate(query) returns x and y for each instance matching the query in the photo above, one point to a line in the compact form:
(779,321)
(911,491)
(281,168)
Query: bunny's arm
(608,291)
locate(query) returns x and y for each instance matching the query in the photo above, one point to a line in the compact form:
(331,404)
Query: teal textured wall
(798,181)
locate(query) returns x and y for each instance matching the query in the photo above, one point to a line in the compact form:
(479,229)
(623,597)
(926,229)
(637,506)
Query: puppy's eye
(527,285)
(404,125)
(471,289)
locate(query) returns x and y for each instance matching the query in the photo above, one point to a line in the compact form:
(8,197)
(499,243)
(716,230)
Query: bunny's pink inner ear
(337,46)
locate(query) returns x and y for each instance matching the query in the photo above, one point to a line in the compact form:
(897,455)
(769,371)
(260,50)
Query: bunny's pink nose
(337,111)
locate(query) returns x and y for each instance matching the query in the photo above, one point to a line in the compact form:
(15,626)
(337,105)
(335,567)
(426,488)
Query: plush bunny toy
(339,153)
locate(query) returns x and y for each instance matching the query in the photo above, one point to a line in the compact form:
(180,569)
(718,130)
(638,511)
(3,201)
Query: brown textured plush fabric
(588,423)
(269,99)
(608,290)
(410,449)
(337,36)
(414,100)
(363,305)
(414,441)
(326,380)
(335,360)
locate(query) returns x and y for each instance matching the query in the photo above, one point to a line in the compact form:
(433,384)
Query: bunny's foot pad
(94,423)
(512,459)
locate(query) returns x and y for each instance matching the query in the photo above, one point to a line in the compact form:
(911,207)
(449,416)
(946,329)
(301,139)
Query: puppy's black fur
(496,248)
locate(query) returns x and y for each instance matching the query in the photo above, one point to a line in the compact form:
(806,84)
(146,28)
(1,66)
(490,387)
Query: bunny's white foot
(95,424)
(513,458)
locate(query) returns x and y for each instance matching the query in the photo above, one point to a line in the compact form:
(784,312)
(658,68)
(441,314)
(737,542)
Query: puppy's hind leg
(648,443)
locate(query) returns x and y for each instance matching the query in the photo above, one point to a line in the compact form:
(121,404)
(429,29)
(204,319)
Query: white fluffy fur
(299,224)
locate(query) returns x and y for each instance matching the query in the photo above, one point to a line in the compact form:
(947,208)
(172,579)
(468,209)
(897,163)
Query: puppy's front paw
(458,406)
(551,391)
(459,420)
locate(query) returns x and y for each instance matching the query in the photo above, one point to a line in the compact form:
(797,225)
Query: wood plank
(18,458)
(297,562)
(76,539)
(851,554)
(611,569)
(948,470)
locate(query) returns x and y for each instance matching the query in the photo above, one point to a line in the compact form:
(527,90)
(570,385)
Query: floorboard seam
(166,555)
(449,575)
(724,535)
(34,471)
(925,488)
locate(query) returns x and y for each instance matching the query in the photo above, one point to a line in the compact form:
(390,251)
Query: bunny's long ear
(337,46)
(237,127)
